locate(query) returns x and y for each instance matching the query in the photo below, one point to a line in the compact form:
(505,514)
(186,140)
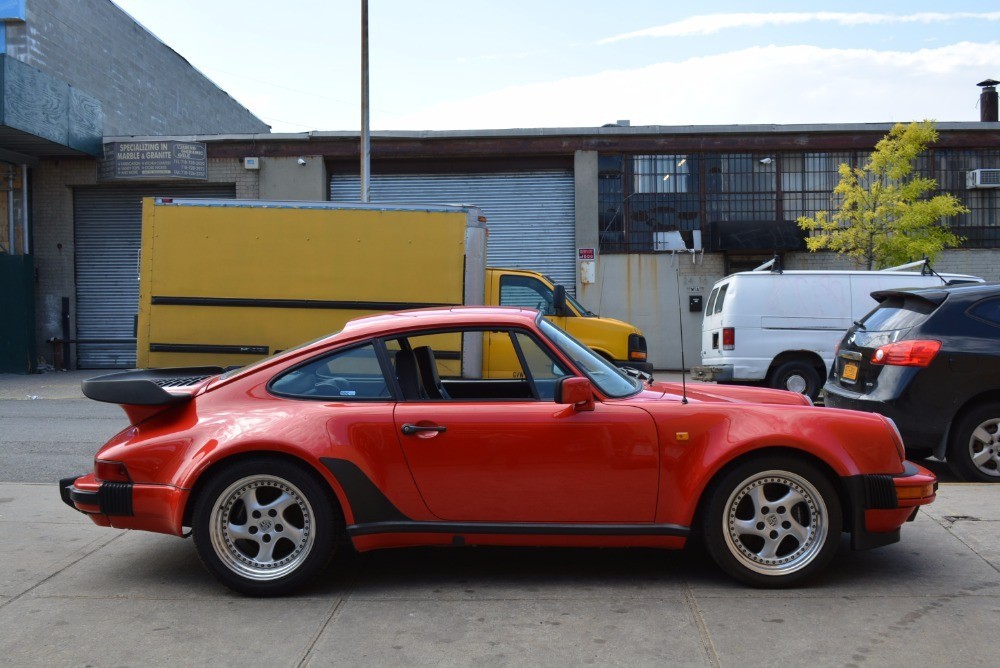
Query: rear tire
(796,376)
(265,526)
(974,450)
(773,521)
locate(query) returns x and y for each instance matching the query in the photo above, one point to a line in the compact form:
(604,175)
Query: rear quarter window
(988,311)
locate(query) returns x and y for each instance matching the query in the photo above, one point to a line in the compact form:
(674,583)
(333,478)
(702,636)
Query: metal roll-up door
(530,215)
(108,228)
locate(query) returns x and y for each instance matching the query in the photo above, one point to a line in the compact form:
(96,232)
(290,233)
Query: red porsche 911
(485,426)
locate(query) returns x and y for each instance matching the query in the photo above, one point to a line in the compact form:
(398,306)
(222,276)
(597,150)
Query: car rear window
(897,313)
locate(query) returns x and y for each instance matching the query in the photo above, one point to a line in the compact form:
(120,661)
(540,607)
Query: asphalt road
(48,439)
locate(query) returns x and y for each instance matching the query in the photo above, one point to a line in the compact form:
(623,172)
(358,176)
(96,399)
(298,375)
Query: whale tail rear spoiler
(144,392)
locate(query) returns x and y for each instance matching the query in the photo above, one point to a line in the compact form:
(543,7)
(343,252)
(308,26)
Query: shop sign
(159,160)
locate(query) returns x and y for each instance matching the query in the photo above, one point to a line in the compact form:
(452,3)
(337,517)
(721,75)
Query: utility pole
(365,132)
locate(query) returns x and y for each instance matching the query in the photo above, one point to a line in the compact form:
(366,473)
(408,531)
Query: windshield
(579,307)
(601,373)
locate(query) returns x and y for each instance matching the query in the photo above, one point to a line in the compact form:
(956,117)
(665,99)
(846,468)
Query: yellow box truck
(225,282)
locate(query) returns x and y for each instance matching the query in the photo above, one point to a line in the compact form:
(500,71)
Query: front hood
(712,393)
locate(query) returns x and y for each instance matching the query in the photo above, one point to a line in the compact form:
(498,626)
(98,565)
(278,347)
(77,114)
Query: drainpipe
(24,210)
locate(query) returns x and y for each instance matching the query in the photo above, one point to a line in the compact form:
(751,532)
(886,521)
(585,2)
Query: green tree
(884,216)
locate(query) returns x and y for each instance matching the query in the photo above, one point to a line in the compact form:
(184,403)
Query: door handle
(410,429)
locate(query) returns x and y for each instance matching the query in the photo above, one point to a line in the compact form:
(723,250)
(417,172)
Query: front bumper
(126,505)
(879,505)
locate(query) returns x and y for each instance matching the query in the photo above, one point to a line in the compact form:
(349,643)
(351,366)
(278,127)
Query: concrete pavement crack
(38,584)
(699,620)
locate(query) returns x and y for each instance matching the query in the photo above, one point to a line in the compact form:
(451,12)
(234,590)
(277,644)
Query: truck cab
(616,341)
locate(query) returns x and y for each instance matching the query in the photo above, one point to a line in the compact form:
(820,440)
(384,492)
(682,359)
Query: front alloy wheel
(773,521)
(263,527)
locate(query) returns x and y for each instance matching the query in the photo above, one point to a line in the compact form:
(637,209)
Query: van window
(711,301)
(720,299)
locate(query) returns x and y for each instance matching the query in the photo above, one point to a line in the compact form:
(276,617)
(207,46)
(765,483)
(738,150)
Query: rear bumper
(879,505)
(126,505)
(922,427)
(722,373)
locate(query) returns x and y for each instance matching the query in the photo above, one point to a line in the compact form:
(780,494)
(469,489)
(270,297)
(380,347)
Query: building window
(981,226)
(647,202)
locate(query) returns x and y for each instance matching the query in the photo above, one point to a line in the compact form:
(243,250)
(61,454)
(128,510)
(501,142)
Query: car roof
(455,316)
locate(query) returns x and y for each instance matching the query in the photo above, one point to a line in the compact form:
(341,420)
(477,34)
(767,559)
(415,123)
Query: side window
(544,371)
(473,365)
(528,292)
(987,311)
(345,375)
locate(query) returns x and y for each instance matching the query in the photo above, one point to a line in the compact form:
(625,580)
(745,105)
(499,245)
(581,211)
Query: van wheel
(797,377)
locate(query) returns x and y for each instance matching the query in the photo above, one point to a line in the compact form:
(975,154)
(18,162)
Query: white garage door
(530,215)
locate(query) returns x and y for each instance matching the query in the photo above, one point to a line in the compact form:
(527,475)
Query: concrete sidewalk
(75,594)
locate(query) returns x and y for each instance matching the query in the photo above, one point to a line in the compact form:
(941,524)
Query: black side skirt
(375,514)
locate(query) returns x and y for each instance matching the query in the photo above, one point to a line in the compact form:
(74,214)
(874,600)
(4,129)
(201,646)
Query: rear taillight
(110,471)
(906,353)
(728,338)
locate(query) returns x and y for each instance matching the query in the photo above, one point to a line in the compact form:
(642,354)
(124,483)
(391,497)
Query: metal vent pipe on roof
(988,101)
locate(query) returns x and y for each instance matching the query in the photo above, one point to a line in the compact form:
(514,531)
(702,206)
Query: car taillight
(728,338)
(110,471)
(906,353)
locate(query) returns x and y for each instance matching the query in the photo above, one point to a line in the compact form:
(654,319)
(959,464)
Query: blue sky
(449,64)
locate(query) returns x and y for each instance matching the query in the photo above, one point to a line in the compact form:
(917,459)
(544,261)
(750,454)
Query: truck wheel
(264,527)
(974,451)
(796,376)
(773,521)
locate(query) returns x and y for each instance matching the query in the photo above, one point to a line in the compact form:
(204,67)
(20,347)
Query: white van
(781,328)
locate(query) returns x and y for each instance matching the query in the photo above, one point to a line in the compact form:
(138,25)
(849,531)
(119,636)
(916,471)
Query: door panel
(532,461)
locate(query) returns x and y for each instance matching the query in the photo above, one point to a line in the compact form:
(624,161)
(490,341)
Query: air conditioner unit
(982,178)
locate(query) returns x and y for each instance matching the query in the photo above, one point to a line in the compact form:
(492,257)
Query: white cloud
(772,84)
(707,24)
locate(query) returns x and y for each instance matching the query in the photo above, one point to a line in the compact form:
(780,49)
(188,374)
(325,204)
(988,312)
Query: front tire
(773,521)
(974,451)
(264,527)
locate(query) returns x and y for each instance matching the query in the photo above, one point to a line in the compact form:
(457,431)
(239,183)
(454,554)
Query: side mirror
(576,391)
(559,301)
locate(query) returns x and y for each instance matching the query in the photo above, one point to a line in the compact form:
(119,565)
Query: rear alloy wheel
(264,527)
(796,377)
(974,451)
(773,521)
